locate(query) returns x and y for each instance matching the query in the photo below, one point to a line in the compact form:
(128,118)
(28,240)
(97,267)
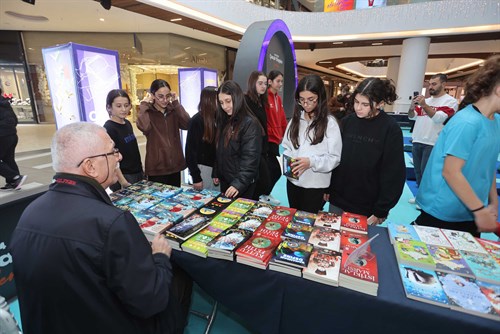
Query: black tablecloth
(272,302)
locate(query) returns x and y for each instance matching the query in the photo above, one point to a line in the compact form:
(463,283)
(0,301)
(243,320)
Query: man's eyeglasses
(114,152)
(308,101)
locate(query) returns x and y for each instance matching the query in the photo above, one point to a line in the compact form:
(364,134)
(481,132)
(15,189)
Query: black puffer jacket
(237,163)
(8,118)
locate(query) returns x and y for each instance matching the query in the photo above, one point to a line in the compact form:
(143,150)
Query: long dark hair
(311,83)
(208,111)
(157,84)
(376,90)
(252,94)
(482,82)
(229,128)
(112,95)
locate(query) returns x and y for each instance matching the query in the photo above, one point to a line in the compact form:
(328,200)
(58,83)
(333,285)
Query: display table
(272,302)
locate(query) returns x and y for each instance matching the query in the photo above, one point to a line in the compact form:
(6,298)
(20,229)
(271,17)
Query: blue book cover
(423,285)
(484,266)
(401,232)
(449,260)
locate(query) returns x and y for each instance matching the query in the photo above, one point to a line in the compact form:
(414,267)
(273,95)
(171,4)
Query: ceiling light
(176,19)
(101,19)
(378,43)
(338,43)
(187,48)
(202,54)
(324,62)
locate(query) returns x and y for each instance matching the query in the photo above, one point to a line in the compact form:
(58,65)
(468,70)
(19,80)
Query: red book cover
(258,248)
(492,247)
(354,222)
(364,268)
(271,229)
(282,214)
(352,239)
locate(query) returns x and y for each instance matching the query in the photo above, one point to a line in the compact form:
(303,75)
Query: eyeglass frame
(114,152)
(308,101)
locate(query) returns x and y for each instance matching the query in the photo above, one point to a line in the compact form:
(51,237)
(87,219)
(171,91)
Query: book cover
(250,222)
(352,239)
(262,209)
(282,214)
(492,293)
(401,232)
(204,195)
(241,205)
(143,201)
(325,237)
(422,285)
(414,252)
(432,236)
(283,268)
(287,167)
(165,191)
(258,248)
(465,295)
(188,226)
(491,247)
(484,267)
(177,208)
(328,219)
(229,239)
(214,229)
(463,241)
(297,231)
(271,229)
(162,210)
(449,260)
(197,244)
(324,266)
(354,222)
(364,268)
(304,217)
(293,253)
(155,226)
(226,217)
(181,199)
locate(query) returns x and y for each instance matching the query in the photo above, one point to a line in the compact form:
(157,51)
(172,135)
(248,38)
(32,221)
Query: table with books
(283,270)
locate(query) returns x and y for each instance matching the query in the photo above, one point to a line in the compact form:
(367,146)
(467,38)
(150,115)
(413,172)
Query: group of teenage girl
(356,163)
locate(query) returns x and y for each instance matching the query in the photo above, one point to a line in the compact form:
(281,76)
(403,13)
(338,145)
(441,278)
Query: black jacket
(237,164)
(8,118)
(84,266)
(197,150)
(372,172)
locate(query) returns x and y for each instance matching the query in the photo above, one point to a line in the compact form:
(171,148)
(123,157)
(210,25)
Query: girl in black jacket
(239,143)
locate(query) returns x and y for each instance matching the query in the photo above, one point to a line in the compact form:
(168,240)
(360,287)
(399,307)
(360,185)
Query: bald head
(74,142)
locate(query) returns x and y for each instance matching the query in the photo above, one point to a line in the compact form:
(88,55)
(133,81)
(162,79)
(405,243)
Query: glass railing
(330,5)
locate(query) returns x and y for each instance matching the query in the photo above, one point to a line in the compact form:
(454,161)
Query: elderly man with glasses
(84,266)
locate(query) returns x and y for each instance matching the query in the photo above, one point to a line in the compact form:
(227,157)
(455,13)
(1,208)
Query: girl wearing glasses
(120,130)
(313,140)
(371,176)
(256,99)
(200,142)
(239,143)
(160,118)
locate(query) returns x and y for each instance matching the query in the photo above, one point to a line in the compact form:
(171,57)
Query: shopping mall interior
(406,41)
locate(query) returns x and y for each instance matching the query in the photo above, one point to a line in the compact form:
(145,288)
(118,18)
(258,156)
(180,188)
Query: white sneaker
(412,200)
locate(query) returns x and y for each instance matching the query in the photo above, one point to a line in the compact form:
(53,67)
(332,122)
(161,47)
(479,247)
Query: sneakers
(269,199)
(17,184)
(412,200)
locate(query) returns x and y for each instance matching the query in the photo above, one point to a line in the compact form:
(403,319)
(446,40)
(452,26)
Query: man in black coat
(82,265)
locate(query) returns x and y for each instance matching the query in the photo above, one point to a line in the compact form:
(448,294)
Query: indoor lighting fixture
(324,62)
(337,43)
(101,19)
(377,43)
(176,19)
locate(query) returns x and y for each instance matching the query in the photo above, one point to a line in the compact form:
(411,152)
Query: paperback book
(241,205)
(223,245)
(297,231)
(492,293)
(250,222)
(257,251)
(197,244)
(187,228)
(293,253)
(484,267)
(326,238)
(432,236)
(287,167)
(304,217)
(162,210)
(282,214)
(261,209)
(328,219)
(227,217)
(422,285)
(271,229)
(204,195)
(178,208)
(449,260)
(491,247)
(400,232)
(463,241)
(354,223)
(352,239)
(465,295)
(323,267)
(414,253)
(359,273)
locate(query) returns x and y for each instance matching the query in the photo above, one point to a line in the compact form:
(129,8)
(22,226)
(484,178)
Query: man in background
(82,265)
(429,115)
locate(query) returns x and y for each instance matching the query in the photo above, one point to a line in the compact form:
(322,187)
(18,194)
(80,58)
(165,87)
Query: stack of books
(359,272)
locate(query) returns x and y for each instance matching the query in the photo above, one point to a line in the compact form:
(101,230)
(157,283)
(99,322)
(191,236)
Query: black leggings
(306,199)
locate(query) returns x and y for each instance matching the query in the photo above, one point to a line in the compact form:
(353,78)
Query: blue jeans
(421,153)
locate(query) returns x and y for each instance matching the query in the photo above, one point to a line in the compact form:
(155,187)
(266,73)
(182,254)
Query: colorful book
(178,208)
(188,227)
(449,260)
(204,195)
(162,210)
(297,231)
(287,167)
(465,295)
(432,236)
(262,209)
(282,214)
(227,217)
(491,247)
(328,219)
(414,253)
(241,205)
(361,273)
(250,222)
(228,240)
(323,267)
(352,239)
(492,293)
(197,244)
(463,241)
(354,222)
(257,251)
(401,232)
(271,229)
(184,200)
(304,217)
(326,238)
(293,253)
(143,201)
(484,267)
(422,285)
